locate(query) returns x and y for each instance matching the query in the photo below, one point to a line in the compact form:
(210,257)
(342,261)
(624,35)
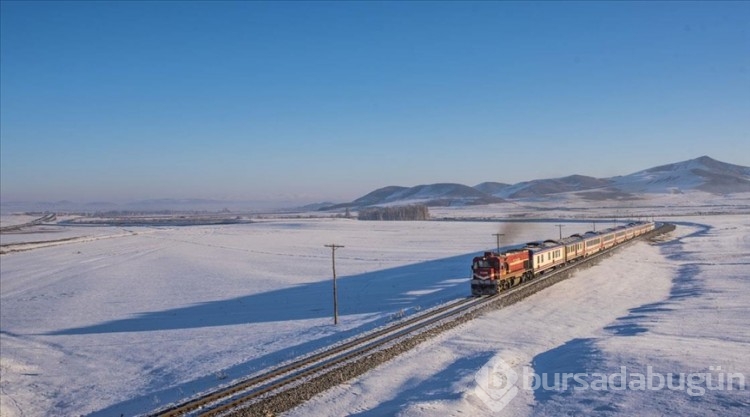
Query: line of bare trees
(411,212)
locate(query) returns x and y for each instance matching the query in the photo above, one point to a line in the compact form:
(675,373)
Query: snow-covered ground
(680,307)
(52,232)
(128,324)
(15,219)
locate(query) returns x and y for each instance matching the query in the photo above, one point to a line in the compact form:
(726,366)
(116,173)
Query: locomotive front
(492,273)
(485,271)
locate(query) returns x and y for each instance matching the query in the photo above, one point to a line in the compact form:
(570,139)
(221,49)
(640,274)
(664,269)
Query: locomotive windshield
(482,264)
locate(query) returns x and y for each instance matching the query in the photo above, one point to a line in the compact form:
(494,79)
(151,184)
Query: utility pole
(497,235)
(594,226)
(560,226)
(333,247)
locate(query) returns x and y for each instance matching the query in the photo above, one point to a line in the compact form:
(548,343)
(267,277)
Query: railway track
(254,390)
(215,404)
(49,217)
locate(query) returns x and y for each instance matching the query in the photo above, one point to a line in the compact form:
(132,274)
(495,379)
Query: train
(493,272)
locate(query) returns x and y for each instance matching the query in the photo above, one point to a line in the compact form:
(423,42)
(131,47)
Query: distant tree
(411,212)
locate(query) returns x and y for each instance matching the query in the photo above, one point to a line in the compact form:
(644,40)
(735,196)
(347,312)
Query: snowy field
(15,219)
(127,324)
(677,310)
(47,233)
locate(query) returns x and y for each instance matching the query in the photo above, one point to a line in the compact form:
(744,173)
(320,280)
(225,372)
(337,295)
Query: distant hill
(492,188)
(314,206)
(704,174)
(701,174)
(445,194)
(380,196)
(537,188)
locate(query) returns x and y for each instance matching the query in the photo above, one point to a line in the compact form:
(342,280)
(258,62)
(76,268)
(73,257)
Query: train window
(481,264)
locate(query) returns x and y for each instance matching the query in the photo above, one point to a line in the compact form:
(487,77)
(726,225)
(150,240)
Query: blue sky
(329,100)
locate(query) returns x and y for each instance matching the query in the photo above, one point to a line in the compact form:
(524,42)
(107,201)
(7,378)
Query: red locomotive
(493,272)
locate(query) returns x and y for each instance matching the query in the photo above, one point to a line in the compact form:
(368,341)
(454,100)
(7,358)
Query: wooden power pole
(335,293)
(560,226)
(497,235)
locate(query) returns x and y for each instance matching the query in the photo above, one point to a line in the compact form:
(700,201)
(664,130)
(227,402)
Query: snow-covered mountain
(445,194)
(536,188)
(699,174)
(493,188)
(703,174)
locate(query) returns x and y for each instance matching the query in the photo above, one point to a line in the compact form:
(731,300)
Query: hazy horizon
(318,101)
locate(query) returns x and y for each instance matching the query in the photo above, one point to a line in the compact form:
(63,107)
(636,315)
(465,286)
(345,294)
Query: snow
(15,219)
(677,307)
(131,323)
